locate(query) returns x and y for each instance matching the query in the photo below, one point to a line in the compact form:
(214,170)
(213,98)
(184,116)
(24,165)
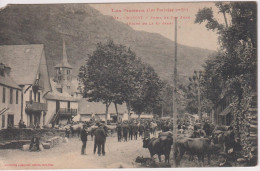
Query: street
(67,155)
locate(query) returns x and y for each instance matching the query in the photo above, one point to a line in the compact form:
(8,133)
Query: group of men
(127,130)
(99,141)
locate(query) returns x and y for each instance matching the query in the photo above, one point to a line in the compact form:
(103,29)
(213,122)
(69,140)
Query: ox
(195,146)
(159,146)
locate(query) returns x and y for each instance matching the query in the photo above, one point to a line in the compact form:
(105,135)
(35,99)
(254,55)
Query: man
(125,131)
(35,144)
(67,132)
(206,128)
(141,130)
(130,126)
(119,132)
(135,131)
(100,139)
(84,138)
(20,124)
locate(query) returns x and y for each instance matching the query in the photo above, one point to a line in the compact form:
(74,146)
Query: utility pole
(175,87)
(162,110)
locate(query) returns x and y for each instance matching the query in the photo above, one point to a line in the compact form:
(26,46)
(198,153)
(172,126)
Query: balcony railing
(66,111)
(35,106)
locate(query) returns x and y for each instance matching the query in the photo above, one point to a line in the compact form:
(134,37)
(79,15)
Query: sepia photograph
(128,85)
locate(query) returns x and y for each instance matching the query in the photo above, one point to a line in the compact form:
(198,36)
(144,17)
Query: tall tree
(101,76)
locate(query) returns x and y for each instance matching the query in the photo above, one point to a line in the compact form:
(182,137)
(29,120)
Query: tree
(232,71)
(113,74)
(149,89)
(101,76)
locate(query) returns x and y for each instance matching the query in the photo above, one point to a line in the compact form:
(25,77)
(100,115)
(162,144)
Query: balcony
(35,106)
(68,112)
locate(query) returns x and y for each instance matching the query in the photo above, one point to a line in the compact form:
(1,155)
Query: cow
(159,146)
(166,141)
(154,146)
(195,146)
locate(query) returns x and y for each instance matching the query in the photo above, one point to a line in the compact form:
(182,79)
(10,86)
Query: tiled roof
(24,61)
(86,107)
(8,81)
(55,95)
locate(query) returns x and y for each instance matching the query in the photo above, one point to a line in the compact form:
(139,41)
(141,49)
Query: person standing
(141,130)
(100,139)
(84,138)
(135,131)
(119,132)
(125,131)
(130,126)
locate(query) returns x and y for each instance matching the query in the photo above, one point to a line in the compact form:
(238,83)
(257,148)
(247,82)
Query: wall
(85,117)
(51,106)
(26,97)
(14,109)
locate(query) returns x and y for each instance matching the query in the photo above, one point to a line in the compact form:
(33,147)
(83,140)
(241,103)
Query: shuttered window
(11,96)
(3,100)
(17,96)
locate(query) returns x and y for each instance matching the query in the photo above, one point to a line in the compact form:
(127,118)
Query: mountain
(82,27)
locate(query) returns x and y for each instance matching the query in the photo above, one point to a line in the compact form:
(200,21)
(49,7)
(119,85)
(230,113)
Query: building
(61,101)
(222,113)
(61,107)
(29,71)
(96,110)
(10,99)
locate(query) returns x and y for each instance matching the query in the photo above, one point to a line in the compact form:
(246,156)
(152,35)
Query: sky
(189,33)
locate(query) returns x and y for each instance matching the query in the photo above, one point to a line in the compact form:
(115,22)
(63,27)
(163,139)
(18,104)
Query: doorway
(10,120)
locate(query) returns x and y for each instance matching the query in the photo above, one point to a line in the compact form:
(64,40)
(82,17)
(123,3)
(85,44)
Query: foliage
(113,74)
(232,71)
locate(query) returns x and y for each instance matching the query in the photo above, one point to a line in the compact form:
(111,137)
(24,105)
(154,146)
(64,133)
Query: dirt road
(67,155)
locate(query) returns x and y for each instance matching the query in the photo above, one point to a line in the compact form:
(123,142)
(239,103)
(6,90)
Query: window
(3,121)
(17,96)
(34,94)
(59,77)
(3,100)
(11,96)
(30,95)
(39,97)
(68,71)
(59,90)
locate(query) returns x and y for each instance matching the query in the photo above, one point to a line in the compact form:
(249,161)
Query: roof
(56,95)
(226,111)
(86,107)
(9,82)
(24,61)
(65,63)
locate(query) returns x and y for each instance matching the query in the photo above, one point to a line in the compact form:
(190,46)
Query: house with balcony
(10,99)
(29,70)
(62,105)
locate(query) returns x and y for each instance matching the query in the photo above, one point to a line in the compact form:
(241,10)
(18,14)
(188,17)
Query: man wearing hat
(100,139)
(84,138)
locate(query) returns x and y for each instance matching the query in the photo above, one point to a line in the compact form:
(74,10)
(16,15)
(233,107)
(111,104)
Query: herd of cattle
(201,140)
(196,139)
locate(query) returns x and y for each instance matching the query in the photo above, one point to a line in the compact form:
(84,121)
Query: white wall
(51,106)
(14,109)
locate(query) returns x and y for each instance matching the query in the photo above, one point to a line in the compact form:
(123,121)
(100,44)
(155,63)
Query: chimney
(7,70)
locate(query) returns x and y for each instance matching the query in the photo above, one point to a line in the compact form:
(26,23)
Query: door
(10,120)
(57,106)
(68,106)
